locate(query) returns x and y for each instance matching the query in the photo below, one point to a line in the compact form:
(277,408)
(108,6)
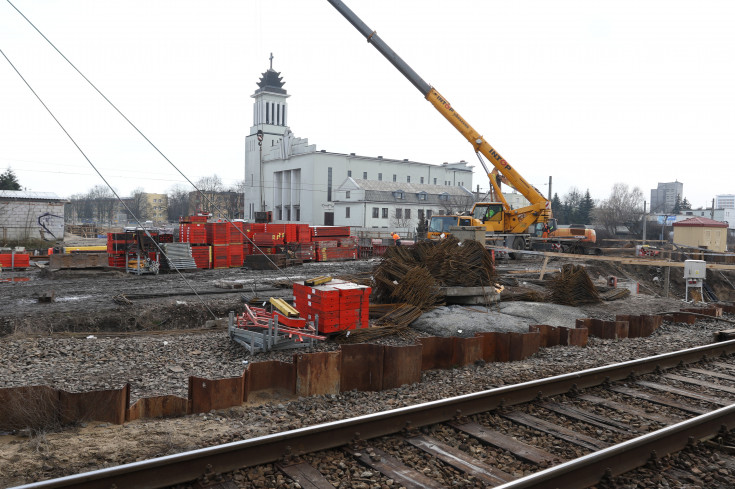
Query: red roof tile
(702,222)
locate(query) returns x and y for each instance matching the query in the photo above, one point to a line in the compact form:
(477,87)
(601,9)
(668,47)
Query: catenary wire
(105,180)
(211,203)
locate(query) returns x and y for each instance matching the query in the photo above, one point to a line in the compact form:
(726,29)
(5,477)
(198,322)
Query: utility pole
(549,187)
(262,195)
(645,219)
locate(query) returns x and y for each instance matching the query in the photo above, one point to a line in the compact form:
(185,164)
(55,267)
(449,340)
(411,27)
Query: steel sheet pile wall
(609,330)
(364,367)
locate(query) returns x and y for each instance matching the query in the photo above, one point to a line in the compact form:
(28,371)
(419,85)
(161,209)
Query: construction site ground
(105,328)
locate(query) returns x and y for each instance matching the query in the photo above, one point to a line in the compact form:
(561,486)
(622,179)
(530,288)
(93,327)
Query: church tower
(270,115)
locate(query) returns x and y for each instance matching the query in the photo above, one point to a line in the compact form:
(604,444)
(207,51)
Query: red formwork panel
(202,255)
(303,233)
(217,233)
(234,255)
(195,233)
(339,305)
(15,260)
(219,256)
(320,231)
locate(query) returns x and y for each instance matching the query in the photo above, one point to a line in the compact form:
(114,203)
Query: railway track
(575,430)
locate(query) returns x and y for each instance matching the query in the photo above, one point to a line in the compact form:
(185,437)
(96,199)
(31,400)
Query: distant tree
(399,220)
(209,188)
(570,206)
(556,208)
(139,205)
(685,205)
(677,205)
(586,208)
(178,203)
(103,203)
(8,180)
(622,208)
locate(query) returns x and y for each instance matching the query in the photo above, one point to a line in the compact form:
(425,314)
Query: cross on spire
(271,58)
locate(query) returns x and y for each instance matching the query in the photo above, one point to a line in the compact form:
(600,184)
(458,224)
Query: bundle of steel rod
(573,287)
(615,294)
(395,321)
(444,263)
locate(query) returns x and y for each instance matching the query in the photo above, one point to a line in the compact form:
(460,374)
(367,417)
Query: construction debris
(573,287)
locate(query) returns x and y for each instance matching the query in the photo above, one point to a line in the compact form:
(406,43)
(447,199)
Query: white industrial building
(288,176)
(31,215)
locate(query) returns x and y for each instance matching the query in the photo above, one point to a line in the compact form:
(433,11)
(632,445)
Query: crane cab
(490,214)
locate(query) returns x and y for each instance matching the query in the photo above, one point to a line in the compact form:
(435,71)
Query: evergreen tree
(8,180)
(677,205)
(556,208)
(685,205)
(586,206)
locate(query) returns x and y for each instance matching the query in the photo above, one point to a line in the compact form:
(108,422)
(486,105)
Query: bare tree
(104,203)
(139,205)
(237,201)
(178,202)
(622,208)
(209,187)
(458,204)
(399,219)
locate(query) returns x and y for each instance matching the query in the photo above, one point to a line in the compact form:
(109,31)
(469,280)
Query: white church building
(297,183)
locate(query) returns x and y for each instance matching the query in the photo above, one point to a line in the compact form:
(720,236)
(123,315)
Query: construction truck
(504,226)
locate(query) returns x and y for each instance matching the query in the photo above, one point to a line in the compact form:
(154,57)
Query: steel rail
(188,466)
(618,459)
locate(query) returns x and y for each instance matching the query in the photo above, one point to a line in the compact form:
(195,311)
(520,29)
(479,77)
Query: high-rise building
(663,198)
(725,201)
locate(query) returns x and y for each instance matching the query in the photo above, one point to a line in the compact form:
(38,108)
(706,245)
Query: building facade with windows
(288,176)
(663,197)
(725,201)
(372,204)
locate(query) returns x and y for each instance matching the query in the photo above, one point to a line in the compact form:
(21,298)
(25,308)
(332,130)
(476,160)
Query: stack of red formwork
(218,236)
(335,306)
(202,255)
(235,250)
(354,304)
(303,233)
(329,243)
(304,251)
(117,243)
(193,229)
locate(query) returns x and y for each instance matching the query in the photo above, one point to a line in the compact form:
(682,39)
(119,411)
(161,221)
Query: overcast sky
(588,92)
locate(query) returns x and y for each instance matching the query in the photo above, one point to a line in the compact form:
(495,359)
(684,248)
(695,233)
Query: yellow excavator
(512,228)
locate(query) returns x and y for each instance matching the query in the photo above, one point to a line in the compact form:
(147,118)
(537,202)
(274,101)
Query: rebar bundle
(395,320)
(414,274)
(573,287)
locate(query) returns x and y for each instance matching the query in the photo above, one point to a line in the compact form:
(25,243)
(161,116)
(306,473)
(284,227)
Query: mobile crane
(507,227)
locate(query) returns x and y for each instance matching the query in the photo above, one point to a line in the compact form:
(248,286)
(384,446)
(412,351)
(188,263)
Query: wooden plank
(701,383)
(723,365)
(306,476)
(520,450)
(392,468)
(656,399)
(560,432)
(589,417)
(626,408)
(712,374)
(615,259)
(460,460)
(543,268)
